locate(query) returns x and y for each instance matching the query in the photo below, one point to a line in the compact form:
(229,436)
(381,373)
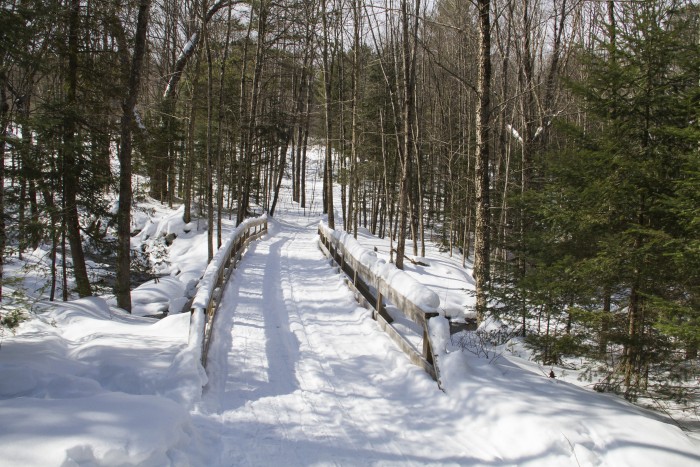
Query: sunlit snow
(298,375)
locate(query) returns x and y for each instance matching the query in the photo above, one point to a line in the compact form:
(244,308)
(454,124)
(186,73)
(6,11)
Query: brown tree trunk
(633,351)
(71,149)
(4,121)
(243,150)
(282,163)
(122,286)
(188,174)
(210,150)
(251,121)
(219,156)
(409,23)
(354,179)
(327,81)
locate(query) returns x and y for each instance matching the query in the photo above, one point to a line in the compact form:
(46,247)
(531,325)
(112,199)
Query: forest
(554,143)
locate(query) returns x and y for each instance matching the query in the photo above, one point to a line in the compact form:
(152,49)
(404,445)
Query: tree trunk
(283,160)
(4,121)
(354,179)
(244,118)
(251,121)
(409,25)
(633,350)
(219,156)
(122,286)
(188,174)
(302,184)
(71,149)
(327,81)
(483,221)
(210,150)
(388,201)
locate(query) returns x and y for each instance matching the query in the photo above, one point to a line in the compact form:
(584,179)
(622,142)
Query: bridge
(285,321)
(373,281)
(319,353)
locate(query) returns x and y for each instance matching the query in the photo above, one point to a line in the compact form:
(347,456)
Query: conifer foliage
(610,259)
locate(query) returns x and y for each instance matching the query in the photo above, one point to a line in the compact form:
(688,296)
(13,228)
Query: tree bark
(282,164)
(250,121)
(243,126)
(71,149)
(4,121)
(327,81)
(122,286)
(353,204)
(483,221)
(219,155)
(210,150)
(409,27)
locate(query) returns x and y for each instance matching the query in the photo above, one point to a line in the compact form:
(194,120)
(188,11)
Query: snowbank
(93,430)
(538,420)
(173,250)
(167,295)
(86,384)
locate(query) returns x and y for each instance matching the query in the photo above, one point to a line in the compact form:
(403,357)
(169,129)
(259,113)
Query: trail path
(300,375)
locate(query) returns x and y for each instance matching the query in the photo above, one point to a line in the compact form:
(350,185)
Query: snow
(298,374)
(153,297)
(206,286)
(86,384)
(443,275)
(97,428)
(402,282)
(514,132)
(181,267)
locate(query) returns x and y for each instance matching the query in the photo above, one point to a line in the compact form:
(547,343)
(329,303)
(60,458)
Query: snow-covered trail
(301,375)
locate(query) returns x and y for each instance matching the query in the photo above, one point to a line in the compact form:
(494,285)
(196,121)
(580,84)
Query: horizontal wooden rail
(210,289)
(374,280)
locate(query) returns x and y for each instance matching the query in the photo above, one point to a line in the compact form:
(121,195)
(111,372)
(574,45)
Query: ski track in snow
(301,375)
(298,375)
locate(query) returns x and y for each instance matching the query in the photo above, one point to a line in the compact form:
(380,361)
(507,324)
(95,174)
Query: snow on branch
(191,46)
(514,133)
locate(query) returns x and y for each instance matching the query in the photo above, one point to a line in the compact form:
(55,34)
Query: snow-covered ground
(298,375)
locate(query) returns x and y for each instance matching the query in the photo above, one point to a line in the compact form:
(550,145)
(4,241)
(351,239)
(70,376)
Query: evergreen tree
(612,220)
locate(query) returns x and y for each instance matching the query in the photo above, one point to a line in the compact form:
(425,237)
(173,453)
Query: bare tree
(482,248)
(122,286)
(71,150)
(328,56)
(409,37)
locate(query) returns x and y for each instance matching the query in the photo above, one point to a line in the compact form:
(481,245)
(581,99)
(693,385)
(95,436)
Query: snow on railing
(210,288)
(375,280)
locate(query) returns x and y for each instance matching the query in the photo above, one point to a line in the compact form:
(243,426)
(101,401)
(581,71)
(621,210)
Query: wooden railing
(375,281)
(210,289)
